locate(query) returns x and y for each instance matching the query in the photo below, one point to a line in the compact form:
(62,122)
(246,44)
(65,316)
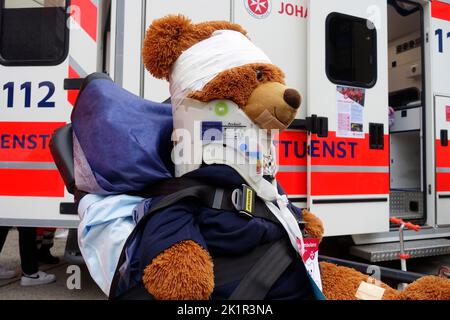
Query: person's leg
(5,273)
(45,256)
(39,237)
(47,238)
(29,260)
(28,250)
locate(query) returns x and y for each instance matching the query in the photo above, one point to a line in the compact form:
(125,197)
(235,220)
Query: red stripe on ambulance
(293,183)
(23,145)
(442,163)
(290,155)
(84,12)
(337,151)
(349,183)
(348,166)
(440,10)
(443,181)
(291,148)
(72,94)
(31,183)
(26,141)
(442,155)
(339,166)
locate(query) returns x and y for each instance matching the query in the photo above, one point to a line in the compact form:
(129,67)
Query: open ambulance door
(440,60)
(42,43)
(348,164)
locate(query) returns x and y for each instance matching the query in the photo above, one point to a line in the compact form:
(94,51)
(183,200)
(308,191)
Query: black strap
(258,281)
(229,269)
(210,195)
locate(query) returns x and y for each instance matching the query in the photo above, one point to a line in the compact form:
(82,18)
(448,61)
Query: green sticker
(221,108)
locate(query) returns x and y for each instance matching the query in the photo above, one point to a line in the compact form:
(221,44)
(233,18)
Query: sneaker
(61,233)
(37,278)
(46,257)
(6,274)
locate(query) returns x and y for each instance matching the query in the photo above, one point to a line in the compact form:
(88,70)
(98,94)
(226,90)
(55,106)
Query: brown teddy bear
(185,270)
(245,78)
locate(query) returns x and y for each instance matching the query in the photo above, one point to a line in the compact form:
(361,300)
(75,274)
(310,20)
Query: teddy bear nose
(292,98)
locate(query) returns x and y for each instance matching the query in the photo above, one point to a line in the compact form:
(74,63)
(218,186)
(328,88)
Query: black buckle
(244,200)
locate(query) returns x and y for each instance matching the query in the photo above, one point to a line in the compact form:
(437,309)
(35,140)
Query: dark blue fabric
(220,232)
(168,227)
(126,139)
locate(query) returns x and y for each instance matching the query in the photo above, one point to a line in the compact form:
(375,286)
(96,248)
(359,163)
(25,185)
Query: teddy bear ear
(164,42)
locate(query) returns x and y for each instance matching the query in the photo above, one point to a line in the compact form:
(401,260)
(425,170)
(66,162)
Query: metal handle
(444,138)
(408,225)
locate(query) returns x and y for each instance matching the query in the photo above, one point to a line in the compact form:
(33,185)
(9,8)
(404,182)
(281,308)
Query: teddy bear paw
(182,272)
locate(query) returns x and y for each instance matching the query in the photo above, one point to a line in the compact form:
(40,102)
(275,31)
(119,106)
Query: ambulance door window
(33,32)
(351,50)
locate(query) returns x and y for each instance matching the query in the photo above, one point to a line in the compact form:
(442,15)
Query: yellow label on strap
(248,200)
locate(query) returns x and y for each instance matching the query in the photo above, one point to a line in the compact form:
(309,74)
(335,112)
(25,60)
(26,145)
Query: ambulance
(370,141)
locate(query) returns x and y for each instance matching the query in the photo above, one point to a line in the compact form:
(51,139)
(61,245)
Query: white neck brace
(219,132)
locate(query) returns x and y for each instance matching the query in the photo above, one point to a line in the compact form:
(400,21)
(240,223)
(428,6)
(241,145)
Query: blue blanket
(122,142)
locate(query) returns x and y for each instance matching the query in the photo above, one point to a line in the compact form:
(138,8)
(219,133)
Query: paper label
(447,113)
(311,259)
(367,291)
(350,112)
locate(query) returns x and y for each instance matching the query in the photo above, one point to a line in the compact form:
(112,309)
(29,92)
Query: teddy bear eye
(259,74)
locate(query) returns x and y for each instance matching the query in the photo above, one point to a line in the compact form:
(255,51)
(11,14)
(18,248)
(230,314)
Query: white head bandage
(199,64)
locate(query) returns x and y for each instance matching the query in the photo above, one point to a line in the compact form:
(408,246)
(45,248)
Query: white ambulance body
(351,60)
(42,43)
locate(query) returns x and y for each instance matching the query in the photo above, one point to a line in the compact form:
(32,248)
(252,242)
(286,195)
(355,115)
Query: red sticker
(311,249)
(311,259)
(447,113)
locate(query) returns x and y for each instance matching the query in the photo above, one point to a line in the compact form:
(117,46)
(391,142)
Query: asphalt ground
(12,290)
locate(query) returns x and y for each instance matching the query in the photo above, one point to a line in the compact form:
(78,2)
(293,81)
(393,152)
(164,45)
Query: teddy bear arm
(184,271)
(342,283)
(314,226)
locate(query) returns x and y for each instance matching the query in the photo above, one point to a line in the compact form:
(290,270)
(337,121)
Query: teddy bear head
(215,60)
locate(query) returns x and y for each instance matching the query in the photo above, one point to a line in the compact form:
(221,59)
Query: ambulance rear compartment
(406,130)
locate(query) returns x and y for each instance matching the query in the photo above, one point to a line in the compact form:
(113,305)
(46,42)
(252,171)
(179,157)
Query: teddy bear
(214,70)
(257,87)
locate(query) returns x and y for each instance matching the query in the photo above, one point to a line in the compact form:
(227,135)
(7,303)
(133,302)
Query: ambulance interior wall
(405,75)
(404,51)
(405,161)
